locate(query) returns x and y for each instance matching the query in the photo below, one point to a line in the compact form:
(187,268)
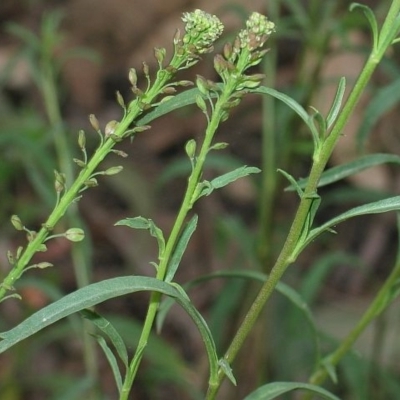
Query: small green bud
(201,103)
(82,139)
(202,85)
(10,257)
(159,54)
(190,148)
(74,234)
(92,182)
(31,235)
(17,223)
(42,265)
(219,146)
(142,128)
(19,252)
(136,91)
(42,248)
(184,83)
(78,162)
(119,153)
(228,51)
(94,122)
(110,128)
(177,37)
(113,170)
(146,70)
(120,99)
(133,77)
(169,90)
(59,183)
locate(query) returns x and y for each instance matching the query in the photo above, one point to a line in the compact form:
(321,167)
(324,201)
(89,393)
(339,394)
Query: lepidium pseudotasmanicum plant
(215,101)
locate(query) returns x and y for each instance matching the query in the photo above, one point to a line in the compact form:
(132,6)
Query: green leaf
(111,360)
(226,179)
(293,182)
(105,326)
(96,293)
(372,22)
(294,105)
(226,368)
(180,248)
(376,207)
(145,223)
(337,103)
(353,167)
(383,101)
(272,390)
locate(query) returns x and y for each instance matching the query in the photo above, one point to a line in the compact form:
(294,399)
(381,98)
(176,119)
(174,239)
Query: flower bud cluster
(257,31)
(202,30)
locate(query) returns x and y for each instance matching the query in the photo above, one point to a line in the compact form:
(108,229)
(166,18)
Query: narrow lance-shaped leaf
(180,248)
(111,360)
(105,326)
(376,207)
(343,171)
(372,22)
(227,178)
(337,103)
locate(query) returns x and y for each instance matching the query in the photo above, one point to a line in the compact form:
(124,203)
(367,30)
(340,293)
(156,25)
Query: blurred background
(63,60)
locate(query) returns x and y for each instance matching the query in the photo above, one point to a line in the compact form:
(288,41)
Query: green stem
(269,150)
(186,206)
(321,156)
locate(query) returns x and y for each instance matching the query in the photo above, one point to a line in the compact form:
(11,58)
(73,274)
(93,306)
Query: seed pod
(74,234)
(113,170)
(42,265)
(190,148)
